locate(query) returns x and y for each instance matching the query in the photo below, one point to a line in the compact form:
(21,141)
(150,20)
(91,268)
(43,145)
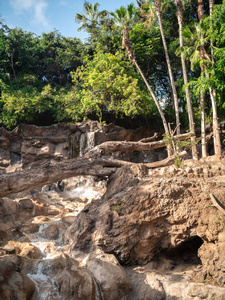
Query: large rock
(169,213)
(14,284)
(110,275)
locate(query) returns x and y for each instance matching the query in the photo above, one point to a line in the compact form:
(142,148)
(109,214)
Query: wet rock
(52,232)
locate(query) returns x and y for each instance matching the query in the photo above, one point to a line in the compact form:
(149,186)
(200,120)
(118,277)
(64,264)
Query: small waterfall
(46,286)
(90,140)
(72,146)
(82,143)
(87,142)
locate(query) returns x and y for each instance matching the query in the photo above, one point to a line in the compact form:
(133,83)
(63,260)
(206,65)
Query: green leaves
(108,83)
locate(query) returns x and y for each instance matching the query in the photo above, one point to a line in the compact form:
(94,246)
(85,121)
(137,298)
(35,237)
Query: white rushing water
(71,202)
(85,192)
(46,286)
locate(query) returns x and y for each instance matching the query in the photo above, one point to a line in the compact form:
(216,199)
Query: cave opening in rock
(186,252)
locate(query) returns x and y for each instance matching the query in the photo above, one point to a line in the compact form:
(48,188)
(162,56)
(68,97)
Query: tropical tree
(189,106)
(18,51)
(90,20)
(148,13)
(109,84)
(205,58)
(211,4)
(58,57)
(124,17)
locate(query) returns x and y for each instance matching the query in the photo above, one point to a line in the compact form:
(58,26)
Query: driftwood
(49,173)
(149,139)
(109,147)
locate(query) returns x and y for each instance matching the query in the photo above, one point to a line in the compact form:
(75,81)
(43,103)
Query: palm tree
(90,19)
(148,14)
(205,57)
(124,17)
(190,112)
(211,5)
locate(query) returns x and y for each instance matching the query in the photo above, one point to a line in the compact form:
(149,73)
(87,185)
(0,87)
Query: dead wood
(149,139)
(49,173)
(167,161)
(115,146)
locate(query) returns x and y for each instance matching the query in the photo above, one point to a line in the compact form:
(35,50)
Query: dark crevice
(187,252)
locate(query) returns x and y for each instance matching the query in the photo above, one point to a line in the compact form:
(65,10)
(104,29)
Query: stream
(70,200)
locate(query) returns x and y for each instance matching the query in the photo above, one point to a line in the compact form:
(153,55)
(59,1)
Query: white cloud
(20,5)
(40,16)
(36,8)
(64,3)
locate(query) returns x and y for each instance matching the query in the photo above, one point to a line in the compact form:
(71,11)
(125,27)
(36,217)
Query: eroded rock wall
(29,145)
(146,215)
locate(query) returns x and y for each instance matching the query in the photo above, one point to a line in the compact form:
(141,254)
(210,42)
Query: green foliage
(109,83)
(36,78)
(178,162)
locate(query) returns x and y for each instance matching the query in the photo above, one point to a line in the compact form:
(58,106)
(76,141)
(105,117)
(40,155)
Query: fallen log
(109,147)
(49,173)
(167,161)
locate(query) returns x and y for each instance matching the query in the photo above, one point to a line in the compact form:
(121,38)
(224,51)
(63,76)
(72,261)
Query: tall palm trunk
(175,99)
(190,113)
(126,43)
(203,135)
(216,131)
(211,4)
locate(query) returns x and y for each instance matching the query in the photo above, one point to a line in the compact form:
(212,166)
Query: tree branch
(115,146)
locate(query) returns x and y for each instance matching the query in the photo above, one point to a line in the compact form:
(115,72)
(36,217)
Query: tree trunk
(200,10)
(216,129)
(126,43)
(175,98)
(16,182)
(190,113)
(203,135)
(12,66)
(211,4)
(49,173)
(110,146)
(216,132)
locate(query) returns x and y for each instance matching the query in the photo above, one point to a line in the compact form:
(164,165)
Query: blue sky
(40,16)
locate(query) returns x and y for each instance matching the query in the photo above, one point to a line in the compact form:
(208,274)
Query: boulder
(110,275)
(14,284)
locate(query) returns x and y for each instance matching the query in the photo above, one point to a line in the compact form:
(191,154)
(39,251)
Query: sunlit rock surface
(144,234)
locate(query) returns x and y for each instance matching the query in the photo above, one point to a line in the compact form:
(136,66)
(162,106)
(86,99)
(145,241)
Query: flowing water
(71,201)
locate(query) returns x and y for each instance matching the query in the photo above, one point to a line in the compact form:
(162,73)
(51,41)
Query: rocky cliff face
(29,146)
(145,234)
